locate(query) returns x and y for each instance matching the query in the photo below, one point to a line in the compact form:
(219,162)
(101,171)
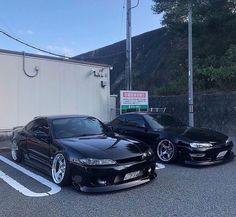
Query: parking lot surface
(178,190)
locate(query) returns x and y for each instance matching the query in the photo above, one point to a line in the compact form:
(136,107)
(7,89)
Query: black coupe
(83,150)
(170,139)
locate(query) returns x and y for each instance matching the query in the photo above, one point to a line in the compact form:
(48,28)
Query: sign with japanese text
(133,100)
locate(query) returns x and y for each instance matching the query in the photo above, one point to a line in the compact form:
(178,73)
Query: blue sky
(71,27)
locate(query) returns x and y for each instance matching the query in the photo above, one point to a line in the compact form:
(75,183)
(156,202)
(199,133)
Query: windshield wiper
(94,134)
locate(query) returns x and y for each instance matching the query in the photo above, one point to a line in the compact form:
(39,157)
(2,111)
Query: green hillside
(160,57)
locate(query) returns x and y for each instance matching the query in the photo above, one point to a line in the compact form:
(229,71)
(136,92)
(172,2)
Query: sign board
(133,100)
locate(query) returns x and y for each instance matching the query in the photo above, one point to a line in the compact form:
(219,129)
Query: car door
(135,127)
(38,142)
(118,125)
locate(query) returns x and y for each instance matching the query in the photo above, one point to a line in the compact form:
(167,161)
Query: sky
(71,27)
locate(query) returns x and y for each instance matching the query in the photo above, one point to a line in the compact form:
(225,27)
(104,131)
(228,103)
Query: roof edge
(66,59)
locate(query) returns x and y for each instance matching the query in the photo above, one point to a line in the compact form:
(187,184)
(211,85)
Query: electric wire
(122,17)
(114,54)
(31,46)
(135,5)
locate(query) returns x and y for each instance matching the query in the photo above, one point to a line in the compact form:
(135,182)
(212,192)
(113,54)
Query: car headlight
(227,141)
(147,154)
(200,145)
(96,162)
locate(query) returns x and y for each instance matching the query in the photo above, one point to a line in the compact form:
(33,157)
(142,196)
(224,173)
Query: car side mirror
(110,127)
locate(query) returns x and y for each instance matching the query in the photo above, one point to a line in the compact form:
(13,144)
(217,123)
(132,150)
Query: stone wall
(215,111)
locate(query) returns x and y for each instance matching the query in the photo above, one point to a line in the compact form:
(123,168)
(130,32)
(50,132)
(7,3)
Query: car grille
(129,160)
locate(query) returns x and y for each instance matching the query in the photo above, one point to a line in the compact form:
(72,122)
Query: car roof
(145,113)
(53,117)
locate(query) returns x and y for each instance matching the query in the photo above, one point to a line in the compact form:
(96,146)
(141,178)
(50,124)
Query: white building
(33,85)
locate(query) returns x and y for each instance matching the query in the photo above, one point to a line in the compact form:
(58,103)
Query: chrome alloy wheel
(14,149)
(58,168)
(165,150)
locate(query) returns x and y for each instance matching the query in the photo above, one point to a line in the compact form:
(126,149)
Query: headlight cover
(96,162)
(200,145)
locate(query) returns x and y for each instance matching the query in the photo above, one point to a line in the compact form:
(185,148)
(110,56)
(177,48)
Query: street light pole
(190,67)
(128,71)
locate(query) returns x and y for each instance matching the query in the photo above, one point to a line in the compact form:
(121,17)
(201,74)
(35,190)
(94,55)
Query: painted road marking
(159,166)
(22,189)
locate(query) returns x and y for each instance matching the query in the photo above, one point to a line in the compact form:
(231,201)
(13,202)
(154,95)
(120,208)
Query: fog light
(101,182)
(149,170)
(198,155)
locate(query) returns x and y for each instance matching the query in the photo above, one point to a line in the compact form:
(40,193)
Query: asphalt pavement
(178,190)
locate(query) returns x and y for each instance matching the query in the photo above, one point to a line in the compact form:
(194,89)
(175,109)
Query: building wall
(61,87)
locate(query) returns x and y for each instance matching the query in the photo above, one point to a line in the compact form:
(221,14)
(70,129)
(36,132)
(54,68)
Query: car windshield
(157,121)
(77,127)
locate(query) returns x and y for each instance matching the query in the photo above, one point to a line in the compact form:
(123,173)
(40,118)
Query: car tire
(16,153)
(166,151)
(60,170)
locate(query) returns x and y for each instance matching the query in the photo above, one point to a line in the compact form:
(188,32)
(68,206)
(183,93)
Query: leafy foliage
(221,78)
(214,39)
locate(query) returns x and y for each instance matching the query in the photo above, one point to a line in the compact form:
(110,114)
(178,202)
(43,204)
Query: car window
(157,121)
(154,124)
(38,125)
(77,126)
(135,120)
(29,126)
(119,121)
(42,127)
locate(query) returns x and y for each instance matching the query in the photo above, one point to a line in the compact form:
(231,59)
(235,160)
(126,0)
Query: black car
(83,150)
(170,139)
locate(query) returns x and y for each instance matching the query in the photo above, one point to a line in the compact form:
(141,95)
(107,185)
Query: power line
(31,46)
(135,5)
(122,16)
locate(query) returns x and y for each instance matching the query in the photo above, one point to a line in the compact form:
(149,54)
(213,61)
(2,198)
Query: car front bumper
(207,157)
(111,178)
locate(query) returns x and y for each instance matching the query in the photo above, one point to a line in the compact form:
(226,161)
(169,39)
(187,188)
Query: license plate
(221,154)
(132,175)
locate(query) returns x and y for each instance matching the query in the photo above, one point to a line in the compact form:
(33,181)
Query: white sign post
(133,100)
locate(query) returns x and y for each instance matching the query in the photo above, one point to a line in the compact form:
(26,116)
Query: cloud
(25,32)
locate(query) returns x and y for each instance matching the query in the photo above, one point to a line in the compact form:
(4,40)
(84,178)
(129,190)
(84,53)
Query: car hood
(104,147)
(198,134)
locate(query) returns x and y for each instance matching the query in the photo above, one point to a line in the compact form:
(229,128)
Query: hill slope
(160,63)
(150,56)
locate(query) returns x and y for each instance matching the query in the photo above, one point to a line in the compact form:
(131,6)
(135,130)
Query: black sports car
(170,139)
(83,150)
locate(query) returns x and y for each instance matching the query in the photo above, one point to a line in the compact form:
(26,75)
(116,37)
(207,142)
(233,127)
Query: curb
(5,136)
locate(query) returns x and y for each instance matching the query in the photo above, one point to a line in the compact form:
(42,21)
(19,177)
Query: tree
(175,12)
(214,39)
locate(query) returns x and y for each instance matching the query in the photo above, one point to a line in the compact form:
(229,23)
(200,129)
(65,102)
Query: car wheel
(16,153)
(166,151)
(60,170)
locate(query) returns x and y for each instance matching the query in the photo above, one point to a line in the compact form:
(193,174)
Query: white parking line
(159,166)
(22,189)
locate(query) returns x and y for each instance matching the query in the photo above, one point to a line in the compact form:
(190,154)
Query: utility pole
(190,66)
(128,71)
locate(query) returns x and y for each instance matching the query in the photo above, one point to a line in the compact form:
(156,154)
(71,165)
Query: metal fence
(116,112)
